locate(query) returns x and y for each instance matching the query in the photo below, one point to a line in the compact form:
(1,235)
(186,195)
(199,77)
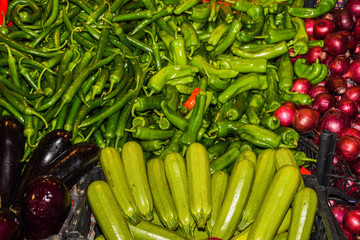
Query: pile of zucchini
(259,197)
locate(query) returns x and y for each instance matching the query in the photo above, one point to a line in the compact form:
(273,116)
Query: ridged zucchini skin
(303,214)
(199,179)
(284,156)
(276,203)
(175,170)
(114,172)
(133,159)
(237,194)
(219,181)
(149,231)
(264,173)
(163,201)
(107,211)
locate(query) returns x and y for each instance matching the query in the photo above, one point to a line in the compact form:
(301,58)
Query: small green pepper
(256,103)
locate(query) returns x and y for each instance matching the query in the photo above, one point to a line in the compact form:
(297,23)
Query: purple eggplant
(74,162)
(51,146)
(12,145)
(11,226)
(44,207)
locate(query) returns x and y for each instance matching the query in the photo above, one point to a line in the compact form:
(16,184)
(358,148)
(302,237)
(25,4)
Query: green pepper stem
(308,160)
(287,146)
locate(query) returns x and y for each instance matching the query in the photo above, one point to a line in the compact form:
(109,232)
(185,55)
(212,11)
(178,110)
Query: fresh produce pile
(179,198)
(165,74)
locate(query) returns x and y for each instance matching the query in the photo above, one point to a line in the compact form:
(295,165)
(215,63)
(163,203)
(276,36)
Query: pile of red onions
(349,219)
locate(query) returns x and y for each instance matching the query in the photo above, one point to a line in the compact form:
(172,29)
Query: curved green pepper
(256,103)
(322,7)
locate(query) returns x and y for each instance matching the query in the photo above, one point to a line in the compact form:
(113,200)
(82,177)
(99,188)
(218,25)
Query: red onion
(315,90)
(335,84)
(323,27)
(344,20)
(357,32)
(339,65)
(336,43)
(352,40)
(314,53)
(285,114)
(334,120)
(339,211)
(353,93)
(305,120)
(354,71)
(348,107)
(355,167)
(353,6)
(351,221)
(350,132)
(348,148)
(323,102)
(290,104)
(357,206)
(301,85)
(309,24)
(355,123)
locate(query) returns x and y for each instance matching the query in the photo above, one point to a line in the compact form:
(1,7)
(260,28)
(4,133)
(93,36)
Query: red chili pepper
(190,102)
(3,10)
(304,171)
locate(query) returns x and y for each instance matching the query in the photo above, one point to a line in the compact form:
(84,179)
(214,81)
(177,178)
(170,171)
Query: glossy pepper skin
(322,7)
(301,39)
(315,72)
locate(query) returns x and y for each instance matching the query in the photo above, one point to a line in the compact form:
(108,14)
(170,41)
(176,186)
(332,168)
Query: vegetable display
(151,87)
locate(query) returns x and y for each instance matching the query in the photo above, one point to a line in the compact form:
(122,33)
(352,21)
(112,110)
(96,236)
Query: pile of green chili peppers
(118,70)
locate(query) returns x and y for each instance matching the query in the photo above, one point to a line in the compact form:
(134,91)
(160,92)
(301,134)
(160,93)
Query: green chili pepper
(298,99)
(225,160)
(277,35)
(173,145)
(270,122)
(230,37)
(192,41)
(200,13)
(206,68)
(158,81)
(313,43)
(226,12)
(246,65)
(238,108)
(271,94)
(301,39)
(267,53)
(178,51)
(301,158)
(146,133)
(217,149)
(243,83)
(217,34)
(194,123)
(321,8)
(256,135)
(285,73)
(176,119)
(186,5)
(256,103)
(153,145)
(315,72)
(288,135)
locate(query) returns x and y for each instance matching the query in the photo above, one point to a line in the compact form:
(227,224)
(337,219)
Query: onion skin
(315,90)
(353,93)
(350,132)
(335,84)
(351,221)
(301,85)
(348,148)
(323,102)
(357,32)
(334,120)
(344,19)
(309,24)
(348,107)
(339,65)
(305,120)
(352,40)
(354,71)
(339,212)
(353,6)
(355,167)
(285,114)
(323,27)
(11,226)
(355,123)
(316,53)
(336,43)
